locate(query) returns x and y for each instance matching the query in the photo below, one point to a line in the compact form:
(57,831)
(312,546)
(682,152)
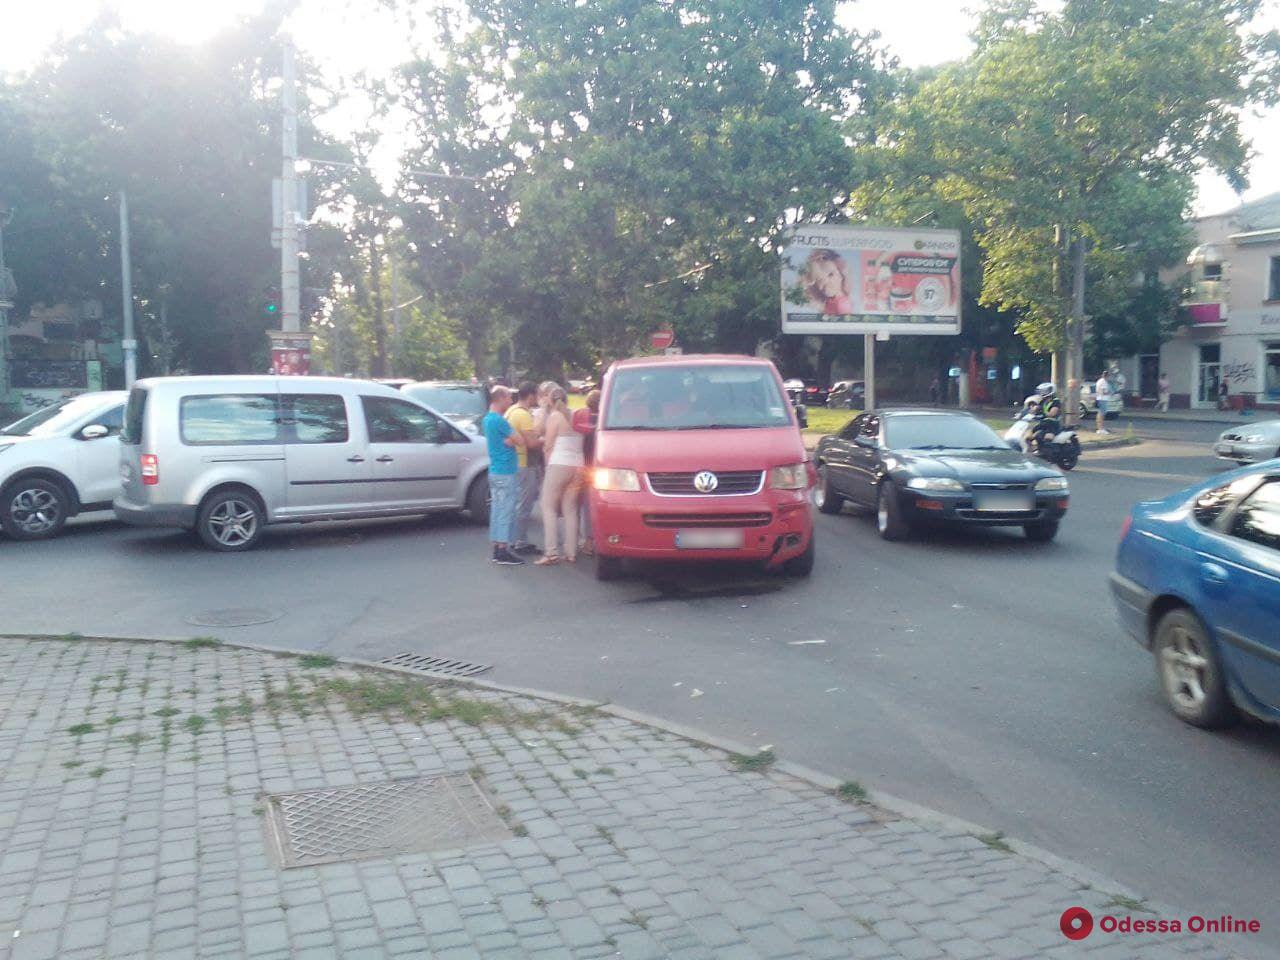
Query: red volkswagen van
(699,457)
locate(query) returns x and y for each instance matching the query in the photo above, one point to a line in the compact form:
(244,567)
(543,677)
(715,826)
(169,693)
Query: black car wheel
(823,497)
(479,500)
(33,509)
(1041,532)
(231,521)
(802,565)
(889,519)
(1190,672)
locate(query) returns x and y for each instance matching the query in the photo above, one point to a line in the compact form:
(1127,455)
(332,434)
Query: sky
(918,33)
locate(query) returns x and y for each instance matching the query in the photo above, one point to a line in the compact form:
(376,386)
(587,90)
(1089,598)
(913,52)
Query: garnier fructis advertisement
(840,279)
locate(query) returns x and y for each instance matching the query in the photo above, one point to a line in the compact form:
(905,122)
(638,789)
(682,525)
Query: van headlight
(934,483)
(1052,485)
(615,478)
(794,476)
(1254,438)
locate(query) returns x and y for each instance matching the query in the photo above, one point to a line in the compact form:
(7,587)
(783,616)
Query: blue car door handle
(1213,573)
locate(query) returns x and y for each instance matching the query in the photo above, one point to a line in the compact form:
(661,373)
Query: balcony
(1207,291)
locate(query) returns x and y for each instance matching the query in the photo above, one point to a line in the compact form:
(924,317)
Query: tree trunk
(1075,346)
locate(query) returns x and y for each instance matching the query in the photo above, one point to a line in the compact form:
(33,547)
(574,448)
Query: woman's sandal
(570,559)
(550,560)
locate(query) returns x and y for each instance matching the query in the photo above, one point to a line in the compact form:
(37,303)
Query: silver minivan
(227,455)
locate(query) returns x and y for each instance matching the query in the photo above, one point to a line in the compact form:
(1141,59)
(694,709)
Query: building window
(1213,271)
(1273,280)
(1271,371)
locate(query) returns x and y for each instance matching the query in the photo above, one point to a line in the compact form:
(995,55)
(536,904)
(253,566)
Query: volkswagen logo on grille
(706,482)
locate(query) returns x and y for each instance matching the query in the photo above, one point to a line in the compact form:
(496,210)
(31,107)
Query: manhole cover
(421,815)
(234,617)
(436,666)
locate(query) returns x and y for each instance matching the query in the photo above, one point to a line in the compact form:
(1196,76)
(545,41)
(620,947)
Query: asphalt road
(978,674)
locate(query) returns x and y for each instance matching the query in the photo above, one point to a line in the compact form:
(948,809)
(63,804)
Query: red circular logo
(1076,923)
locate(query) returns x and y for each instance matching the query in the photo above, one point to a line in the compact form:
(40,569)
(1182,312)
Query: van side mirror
(93,432)
(868,442)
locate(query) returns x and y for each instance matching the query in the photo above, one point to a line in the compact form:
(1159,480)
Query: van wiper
(721,426)
(636,427)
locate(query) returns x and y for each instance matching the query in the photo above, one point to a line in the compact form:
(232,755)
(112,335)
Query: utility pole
(869,370)
(127,342)
(379,317)
(8,290)
(289,296)
(1075,347)
(395,312)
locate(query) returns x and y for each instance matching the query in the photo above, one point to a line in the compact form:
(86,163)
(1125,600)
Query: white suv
(58,462)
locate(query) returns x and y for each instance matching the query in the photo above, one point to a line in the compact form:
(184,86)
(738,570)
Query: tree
(1067,138)
(641,164)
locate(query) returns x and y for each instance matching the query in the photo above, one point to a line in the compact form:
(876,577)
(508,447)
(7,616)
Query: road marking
(1140,474)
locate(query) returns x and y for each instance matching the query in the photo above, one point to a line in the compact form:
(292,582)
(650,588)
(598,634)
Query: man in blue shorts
(503,462)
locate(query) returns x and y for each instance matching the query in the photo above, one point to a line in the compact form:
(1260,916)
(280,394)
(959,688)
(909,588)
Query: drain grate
(234,617)
(436,666)
(421,815)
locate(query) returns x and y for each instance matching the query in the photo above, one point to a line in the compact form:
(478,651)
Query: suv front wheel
(33,509)
(231,521)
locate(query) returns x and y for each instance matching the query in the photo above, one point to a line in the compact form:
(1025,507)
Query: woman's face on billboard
(826,278)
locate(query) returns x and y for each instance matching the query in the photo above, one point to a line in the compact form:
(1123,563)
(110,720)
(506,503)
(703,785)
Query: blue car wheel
(1190,671)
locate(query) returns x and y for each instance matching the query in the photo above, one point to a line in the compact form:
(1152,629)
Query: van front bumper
(775,525)
(154,515)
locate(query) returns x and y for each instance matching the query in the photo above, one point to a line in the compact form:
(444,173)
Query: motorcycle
(1038,431)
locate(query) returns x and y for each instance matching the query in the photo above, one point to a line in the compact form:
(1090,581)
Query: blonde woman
(560,486)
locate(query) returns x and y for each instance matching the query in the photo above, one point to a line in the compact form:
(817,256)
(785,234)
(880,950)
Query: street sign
(661,339)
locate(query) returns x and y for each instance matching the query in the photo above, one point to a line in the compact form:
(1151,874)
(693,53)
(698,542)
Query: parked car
(699,457)
(815,394)
(1249,444)
(581,386)
(794,389)
(225,456)
(1089,402)
(461,401)
(1197,582)
(919,467)
(847,395)
(60,461)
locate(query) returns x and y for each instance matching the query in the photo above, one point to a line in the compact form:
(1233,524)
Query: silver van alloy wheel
(35,510)
(1183,664)
(233,522)
(820,488)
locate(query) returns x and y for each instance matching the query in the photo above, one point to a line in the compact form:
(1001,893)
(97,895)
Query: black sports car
(924,466)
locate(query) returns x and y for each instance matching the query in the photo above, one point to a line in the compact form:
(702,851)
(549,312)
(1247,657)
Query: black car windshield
(940,432)
(53,420)
(695,397)
(453,400)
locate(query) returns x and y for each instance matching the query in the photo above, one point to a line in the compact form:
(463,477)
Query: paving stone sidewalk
(136,786)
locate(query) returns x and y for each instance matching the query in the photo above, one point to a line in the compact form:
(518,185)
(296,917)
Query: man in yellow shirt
(529,470)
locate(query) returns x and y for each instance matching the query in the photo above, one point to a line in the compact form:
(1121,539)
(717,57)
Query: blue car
(1197,582)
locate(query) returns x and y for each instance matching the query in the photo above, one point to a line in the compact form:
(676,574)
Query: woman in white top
(560,486)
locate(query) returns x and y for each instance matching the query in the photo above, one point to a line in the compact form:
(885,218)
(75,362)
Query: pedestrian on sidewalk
(560,485)
(935,391)
(1102,396)
(584,422)
(503,464)
(1162,392)
(1224,401)
(529,468)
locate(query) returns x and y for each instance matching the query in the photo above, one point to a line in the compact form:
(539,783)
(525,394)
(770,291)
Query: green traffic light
(272,308)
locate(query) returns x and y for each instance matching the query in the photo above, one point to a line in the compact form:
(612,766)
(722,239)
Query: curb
(905,809)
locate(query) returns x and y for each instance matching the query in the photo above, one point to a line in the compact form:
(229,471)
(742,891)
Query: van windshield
(726,396)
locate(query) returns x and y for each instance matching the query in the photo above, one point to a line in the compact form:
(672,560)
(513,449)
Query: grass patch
(316,661)
(80,729)
(995,841)
(605,771)
(1129,904)
(580,773)
(637,920)
(222,712)
(72,764)
(762,760)
(137,738)
(71,636)
(96,772)
(112,721)
(852,791)
(867,925)
(822,420)
(195,723)
(201,643)
(167,712)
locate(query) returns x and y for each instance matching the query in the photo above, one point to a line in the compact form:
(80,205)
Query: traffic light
(271,308)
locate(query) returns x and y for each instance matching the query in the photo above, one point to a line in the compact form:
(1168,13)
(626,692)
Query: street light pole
(128,343)
(8,290)
(289,294)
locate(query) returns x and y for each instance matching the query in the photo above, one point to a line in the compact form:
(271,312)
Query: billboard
(841,279)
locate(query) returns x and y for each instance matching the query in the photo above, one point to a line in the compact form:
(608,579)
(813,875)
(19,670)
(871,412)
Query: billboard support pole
(869,369)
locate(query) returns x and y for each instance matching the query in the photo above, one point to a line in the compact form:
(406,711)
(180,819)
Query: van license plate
(709,539)
(1003,502)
